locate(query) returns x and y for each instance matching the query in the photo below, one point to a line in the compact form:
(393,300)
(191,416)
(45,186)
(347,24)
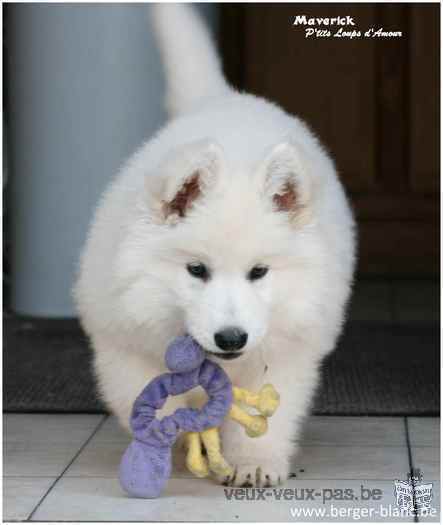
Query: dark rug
(377,369)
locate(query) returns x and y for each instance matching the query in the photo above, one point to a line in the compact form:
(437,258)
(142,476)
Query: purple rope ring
(146,464)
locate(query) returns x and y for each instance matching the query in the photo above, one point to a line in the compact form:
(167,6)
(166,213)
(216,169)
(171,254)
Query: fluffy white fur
(134,293)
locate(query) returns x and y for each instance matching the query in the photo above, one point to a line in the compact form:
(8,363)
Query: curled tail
(192,66)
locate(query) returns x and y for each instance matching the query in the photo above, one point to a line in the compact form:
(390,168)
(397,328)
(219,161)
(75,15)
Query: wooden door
(374,102)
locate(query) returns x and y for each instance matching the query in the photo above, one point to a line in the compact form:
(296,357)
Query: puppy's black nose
(231,339)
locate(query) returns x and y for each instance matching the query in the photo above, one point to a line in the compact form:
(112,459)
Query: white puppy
(230,225)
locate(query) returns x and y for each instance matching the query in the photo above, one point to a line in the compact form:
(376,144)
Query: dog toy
(147,462)
(265,402)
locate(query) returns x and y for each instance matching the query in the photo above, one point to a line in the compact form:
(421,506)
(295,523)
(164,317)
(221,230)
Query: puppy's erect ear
(288,184)
(182,179)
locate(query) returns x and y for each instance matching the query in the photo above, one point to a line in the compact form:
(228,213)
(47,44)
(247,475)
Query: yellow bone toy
(266,402)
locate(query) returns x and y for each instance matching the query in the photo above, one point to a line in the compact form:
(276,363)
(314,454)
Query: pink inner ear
(287,200)
(184,198)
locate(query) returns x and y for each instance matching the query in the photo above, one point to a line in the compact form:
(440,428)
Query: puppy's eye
(198,270)
(258,272)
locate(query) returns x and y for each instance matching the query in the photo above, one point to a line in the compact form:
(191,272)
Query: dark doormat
(377,369)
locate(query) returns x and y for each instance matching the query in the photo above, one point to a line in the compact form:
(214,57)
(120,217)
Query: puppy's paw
(256,473)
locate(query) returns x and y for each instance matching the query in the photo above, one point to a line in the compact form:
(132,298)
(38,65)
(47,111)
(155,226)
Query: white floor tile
(21,495)
(102,499)
(111,431)
(332,430)
(49,428)
(42,444)
(424,431)
(351,462)
(37,459)
(333,451)
(427,459)
(98,460)
(102,459)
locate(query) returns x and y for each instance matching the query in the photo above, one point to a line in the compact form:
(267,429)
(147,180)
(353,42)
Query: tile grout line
(79,451)
(411,464)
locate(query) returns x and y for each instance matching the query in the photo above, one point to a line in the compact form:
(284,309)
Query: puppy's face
(224,280)
(223,244)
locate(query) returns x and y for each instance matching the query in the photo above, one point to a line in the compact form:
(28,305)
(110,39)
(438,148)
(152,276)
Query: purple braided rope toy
(147,462)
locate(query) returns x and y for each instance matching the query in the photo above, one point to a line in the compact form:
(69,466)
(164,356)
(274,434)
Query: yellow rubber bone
(255,426)
(195,461)
(217,463)
(266,402)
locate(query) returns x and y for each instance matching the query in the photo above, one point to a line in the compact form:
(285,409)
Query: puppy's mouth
(227,356)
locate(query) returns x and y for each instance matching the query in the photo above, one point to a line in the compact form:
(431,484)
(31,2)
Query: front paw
(250,472)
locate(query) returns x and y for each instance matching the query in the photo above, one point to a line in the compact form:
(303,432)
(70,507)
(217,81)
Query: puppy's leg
(265,460)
